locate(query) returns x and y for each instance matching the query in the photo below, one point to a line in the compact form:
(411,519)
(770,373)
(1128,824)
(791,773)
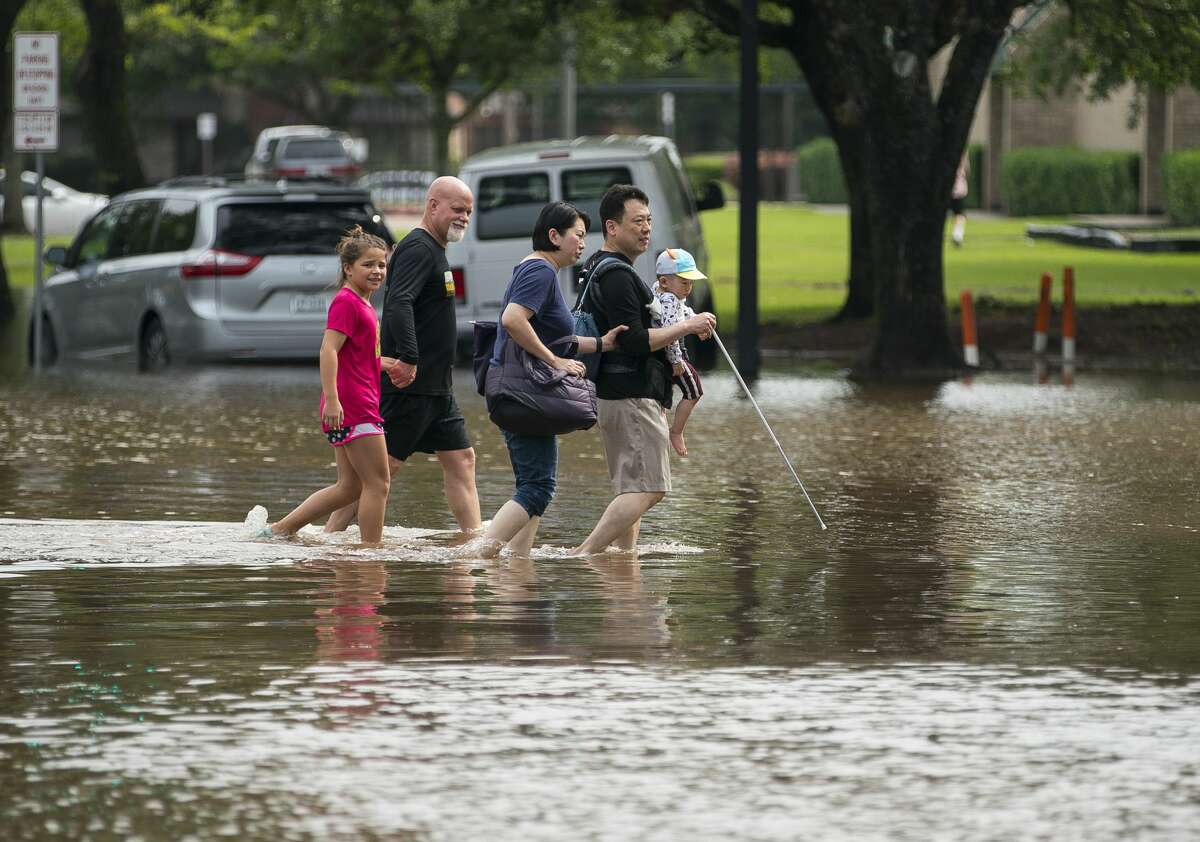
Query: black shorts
(427,423)
(689,382)
(958,205)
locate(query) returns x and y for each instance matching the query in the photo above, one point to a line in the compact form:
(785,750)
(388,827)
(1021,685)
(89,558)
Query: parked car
(512,183)
(302,152)
(64,209)
(200,269)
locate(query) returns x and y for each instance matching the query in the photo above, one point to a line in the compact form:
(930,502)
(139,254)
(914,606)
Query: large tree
(100,84)
(900,138)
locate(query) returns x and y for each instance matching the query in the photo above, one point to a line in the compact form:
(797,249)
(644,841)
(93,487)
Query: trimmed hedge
(821,173)
(704,168)
(1181,172)
(1054,180)
(820,170)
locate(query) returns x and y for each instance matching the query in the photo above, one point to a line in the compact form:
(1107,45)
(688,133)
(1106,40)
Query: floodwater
(998,637)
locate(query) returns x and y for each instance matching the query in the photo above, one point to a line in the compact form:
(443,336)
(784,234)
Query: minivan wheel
(49,345)
(153,353)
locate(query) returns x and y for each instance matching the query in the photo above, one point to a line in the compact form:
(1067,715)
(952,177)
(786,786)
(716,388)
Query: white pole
(787,461)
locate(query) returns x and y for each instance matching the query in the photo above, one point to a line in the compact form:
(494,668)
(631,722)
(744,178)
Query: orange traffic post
(970,345)
(1068,314)
(1042,323)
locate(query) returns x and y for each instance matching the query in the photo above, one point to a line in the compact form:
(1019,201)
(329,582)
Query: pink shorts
(342,435)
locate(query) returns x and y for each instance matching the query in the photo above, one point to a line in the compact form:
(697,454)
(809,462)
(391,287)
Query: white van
(512,183)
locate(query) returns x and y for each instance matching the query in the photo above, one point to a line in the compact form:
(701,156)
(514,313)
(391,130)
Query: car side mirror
(56,255)
(713,197)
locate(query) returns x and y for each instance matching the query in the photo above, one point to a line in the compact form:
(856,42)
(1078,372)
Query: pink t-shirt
(358,359)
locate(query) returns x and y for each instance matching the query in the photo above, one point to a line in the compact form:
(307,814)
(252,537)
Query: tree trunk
(860,284)
(440,124)
(13,221)
(867,67)
(12,183)
(100,84)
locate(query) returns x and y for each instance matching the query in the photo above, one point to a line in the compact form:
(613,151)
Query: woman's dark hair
(558,216)
(354,244)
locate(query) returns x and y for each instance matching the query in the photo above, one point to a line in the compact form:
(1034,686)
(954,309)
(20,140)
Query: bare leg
(368,457)
(620,522)
(343,517)
(681,416)
(320,503)
(522,542)
(458,469)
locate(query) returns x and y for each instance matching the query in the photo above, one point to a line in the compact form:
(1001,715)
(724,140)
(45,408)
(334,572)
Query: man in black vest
(634,381)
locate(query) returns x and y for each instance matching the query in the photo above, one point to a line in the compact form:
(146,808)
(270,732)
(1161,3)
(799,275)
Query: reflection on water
(998,637)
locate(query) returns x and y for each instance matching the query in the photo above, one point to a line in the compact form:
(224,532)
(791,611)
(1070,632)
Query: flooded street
(998,637)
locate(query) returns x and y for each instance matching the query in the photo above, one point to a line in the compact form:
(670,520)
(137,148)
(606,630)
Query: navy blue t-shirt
(534,285)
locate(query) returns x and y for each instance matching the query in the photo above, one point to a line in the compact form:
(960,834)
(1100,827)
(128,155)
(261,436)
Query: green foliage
(1061,180)
(1182,174)
(702,169)
(1096,46)
(820,170)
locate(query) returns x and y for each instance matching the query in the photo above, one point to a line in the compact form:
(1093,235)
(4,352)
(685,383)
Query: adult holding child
(633,386)
(534,315)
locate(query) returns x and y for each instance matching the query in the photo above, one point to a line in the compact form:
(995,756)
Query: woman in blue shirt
(533,313)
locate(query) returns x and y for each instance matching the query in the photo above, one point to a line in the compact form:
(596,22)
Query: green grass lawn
(804,254)
(803,259)
(18,258)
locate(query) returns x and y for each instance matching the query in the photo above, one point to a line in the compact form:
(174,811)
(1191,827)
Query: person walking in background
(419,329)
(676,270)
(534,314)
(958,197)
(633,384)
(350,379)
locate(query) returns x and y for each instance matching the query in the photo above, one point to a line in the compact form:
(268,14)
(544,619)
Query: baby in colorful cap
(676,270)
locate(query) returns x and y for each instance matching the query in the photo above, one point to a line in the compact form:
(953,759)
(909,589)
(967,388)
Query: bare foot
(678,443)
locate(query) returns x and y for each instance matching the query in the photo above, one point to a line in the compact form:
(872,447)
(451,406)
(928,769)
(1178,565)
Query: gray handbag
(524,395)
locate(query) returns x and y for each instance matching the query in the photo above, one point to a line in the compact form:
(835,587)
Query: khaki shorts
(636,444)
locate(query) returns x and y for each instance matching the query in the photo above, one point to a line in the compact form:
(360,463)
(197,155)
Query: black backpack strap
(602,268)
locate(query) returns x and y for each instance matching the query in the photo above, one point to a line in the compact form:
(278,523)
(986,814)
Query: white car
(64,210)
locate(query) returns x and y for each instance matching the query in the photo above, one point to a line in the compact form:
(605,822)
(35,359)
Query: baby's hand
(677,369)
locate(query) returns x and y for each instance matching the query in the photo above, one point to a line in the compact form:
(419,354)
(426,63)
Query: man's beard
(455,233)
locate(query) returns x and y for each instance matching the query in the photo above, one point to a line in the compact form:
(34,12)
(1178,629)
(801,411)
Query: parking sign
(35,91)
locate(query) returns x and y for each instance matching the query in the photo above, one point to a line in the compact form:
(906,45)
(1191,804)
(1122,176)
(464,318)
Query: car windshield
(317,147)
(265,228)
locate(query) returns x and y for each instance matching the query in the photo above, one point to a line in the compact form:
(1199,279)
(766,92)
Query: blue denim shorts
(535,466)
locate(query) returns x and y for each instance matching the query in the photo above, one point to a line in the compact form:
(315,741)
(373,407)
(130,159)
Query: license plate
(311,303)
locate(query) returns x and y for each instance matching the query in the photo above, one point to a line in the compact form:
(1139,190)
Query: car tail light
(347,170)
(290,172)
(215,263)
(460,284)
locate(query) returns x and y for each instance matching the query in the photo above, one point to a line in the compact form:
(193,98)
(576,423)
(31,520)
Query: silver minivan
(512,183)
(204,270)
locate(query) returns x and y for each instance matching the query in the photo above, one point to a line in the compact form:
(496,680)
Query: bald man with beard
(419,330)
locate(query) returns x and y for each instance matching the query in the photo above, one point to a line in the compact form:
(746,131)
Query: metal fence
(398,190)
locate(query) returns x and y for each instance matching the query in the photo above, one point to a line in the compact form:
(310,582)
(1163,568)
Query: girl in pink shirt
(349,407)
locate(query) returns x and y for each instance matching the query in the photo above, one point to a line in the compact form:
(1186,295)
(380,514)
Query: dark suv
(201,269)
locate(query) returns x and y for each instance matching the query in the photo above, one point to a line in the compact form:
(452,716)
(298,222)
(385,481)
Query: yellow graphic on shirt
(378,349)
(449,278)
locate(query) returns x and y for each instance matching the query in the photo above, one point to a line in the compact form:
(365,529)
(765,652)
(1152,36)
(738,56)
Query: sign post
(35,129)
(206,130)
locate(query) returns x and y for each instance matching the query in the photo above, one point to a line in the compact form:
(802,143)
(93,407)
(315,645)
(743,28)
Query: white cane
(787,461)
